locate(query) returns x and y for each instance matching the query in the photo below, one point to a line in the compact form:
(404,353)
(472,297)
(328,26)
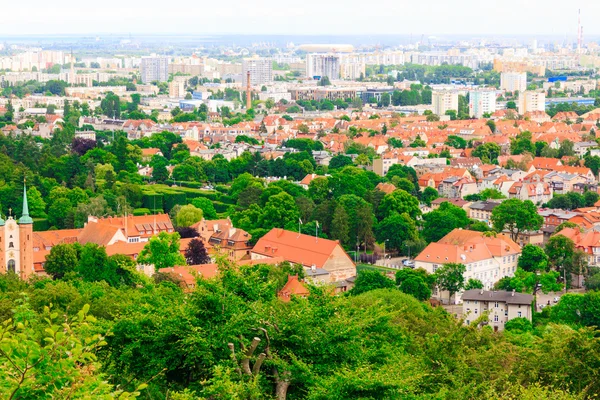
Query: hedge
(152,200)
(172,198)
(40,224)
(141,211)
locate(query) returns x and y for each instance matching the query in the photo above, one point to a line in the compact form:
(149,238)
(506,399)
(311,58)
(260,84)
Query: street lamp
(384,242)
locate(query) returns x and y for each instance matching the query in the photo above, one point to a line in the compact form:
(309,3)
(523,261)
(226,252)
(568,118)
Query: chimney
(481,291)
(248,92)
(513,293)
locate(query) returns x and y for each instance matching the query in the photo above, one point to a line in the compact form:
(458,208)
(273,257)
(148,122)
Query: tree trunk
(281,390)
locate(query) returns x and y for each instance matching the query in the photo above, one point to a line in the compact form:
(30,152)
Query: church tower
(26,239)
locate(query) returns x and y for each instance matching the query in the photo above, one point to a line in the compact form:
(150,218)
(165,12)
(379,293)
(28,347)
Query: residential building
(307,251)
(538,193)
(234,242)
(482,211)
(487,259)
(443,101)
(154,68)
(320,65)
(177,89)
(531,101)
(261,71)
(482,102)
(501,306)
(513,81)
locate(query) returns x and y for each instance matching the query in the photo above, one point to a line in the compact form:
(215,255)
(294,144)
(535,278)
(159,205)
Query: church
(16,243)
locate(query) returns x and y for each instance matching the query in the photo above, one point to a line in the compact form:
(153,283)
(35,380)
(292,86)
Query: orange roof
(465,246)
(296,248)
(293,287)
(387,188)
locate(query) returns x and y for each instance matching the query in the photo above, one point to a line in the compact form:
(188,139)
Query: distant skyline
(436,17)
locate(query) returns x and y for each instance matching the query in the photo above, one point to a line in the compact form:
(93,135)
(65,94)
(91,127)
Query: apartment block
(261,71)
(154,69)
(513,81)
(530,101)
(443,101)
(319,65)
(482,102)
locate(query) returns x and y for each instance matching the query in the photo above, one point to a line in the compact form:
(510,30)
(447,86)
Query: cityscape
(299,205)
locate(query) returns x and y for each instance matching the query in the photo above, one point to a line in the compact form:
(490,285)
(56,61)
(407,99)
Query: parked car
(408,263)
(556,299)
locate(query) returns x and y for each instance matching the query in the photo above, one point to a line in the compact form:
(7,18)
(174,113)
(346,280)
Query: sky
(305,17)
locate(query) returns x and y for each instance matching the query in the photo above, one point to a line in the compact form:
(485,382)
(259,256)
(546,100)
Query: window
(496,304)
(475,311)
(519,314)
(12,266)
(11,245)
(506,312)
(495,318)
(468,322)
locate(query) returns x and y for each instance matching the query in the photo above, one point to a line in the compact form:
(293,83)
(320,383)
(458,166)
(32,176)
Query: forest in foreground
(232,338)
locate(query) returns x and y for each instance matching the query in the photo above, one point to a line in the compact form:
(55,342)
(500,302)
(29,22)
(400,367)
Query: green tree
(207,207)
(488,152)
(368,280)
(280,211)
(400,202)
(395,230)
(533,259)
(162,251)
(516,216)
(429,194)
(473,284)
(37,206)
(443,220)
(340,228)
(92,263)
(450,277)
(188,215)
(62,259)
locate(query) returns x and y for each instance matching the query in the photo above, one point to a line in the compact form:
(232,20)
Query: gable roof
(296,248)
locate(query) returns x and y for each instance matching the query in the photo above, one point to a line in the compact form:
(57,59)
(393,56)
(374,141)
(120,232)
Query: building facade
(513,81)
(16,243)
(261,71)
(154,69)
(482,102)
(501,306)
(443,101)
(320,65)
(530,101)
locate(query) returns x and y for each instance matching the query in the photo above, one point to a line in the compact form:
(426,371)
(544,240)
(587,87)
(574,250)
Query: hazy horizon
(269,17)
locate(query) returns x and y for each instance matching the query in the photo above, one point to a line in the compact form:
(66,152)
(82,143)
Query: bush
(519,325)
(141,211)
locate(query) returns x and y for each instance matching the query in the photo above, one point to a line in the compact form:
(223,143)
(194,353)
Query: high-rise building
(513,81)
(320,65)
(352,66)
(443,101)
(261,71)
(482,102)
(154,68)
(530,100)
(177,88)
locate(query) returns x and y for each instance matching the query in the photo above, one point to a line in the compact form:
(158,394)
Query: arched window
(11,245)
(12,266)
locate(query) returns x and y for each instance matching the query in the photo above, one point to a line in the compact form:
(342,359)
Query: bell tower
(2,245)
(26,239)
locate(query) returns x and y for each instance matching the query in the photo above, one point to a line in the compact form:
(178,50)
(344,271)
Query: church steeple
(25,218)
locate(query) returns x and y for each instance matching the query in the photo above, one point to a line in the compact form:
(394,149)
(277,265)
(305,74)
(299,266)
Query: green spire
(25,218)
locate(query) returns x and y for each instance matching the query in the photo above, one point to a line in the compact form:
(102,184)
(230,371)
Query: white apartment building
(513,81)
(154,68)
(487,259)
(532,101)
(501,306)
(320,65)
(481,102)
(443,101)
(261,71)
(352,66)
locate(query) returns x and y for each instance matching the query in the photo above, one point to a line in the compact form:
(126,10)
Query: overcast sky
(433,17)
